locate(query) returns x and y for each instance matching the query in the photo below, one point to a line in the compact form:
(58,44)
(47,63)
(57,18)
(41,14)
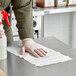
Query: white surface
(42,11)
(58,25)
(38,12)
(19,67)
(52,56)
(74,31)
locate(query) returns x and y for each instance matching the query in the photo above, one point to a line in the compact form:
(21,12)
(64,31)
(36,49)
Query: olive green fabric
(23,13)
(4,4)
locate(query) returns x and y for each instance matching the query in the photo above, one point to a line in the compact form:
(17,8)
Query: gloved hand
(29,45)
(1,32)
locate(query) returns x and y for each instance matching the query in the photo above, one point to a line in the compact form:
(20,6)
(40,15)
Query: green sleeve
(23,14)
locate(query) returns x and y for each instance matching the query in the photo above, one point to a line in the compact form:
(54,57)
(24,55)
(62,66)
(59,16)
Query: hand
(1,32)
(29,45)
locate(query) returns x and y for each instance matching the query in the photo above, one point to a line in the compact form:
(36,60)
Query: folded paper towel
(52,56)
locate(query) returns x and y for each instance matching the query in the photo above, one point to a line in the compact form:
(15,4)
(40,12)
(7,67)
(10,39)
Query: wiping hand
(30,46)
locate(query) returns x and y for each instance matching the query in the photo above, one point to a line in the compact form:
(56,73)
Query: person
(23,13)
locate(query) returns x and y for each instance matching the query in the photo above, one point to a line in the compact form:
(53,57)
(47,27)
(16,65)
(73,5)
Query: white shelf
(38,12)
(43,11)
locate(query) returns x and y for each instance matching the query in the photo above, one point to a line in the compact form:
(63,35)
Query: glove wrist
(27,40)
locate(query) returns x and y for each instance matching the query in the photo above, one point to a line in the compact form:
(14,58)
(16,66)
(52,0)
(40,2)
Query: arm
(23,13)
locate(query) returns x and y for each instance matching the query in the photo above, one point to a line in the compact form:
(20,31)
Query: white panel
(57,25)
(74,32)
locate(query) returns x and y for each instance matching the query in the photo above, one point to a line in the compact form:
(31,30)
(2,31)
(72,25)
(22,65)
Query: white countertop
(43,11)
(20,67)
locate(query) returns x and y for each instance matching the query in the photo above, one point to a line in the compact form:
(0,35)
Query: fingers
(37,52)
(44,50)
(28,50)
(22,50)
(40,52)
(33,53)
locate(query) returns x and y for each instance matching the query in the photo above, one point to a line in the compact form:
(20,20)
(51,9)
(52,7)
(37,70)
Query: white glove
(35,49)
(1,32)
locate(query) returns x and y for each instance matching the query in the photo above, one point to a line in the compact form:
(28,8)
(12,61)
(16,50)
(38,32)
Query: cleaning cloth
(52,56)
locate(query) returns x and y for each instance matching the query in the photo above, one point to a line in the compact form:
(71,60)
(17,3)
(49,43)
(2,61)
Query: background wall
(61,26)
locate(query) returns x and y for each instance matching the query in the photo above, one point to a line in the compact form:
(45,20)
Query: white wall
(74,32)
(59,26)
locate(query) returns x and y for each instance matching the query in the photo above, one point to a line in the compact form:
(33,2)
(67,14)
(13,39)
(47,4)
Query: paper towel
(52,56)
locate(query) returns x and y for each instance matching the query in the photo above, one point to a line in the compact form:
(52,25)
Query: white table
(18,66)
